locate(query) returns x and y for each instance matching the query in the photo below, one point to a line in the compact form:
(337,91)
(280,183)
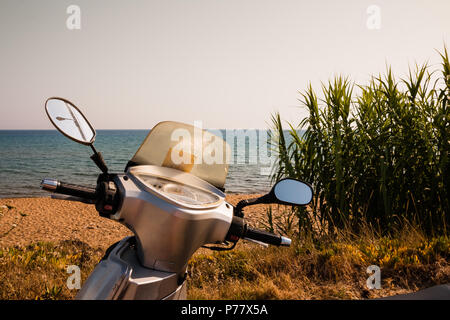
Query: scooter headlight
(179,192)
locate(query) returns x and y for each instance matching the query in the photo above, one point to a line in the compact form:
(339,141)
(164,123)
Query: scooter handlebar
(56,186)
(267,237)
(239,229)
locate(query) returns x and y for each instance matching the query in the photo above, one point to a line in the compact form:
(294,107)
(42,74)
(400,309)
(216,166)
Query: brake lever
(217,248)
(265,245)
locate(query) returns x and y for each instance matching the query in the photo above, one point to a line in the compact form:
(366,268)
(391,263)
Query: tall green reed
(377,153)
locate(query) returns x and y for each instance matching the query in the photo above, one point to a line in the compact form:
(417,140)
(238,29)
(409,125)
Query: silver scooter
(171,196)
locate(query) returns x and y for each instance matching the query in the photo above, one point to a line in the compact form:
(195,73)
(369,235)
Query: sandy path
(28,220)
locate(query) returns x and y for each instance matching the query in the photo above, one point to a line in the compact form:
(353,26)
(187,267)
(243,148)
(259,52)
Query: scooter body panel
(121,276)
(167,234)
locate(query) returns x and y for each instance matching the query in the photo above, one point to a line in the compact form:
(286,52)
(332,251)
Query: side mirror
(287,191)
(291,191)
(69,120)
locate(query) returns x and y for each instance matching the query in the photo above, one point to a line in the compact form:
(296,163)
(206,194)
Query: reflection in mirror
(69,120)
(293,192)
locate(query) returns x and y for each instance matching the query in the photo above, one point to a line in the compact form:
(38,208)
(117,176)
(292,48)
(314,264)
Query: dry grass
(307,270)
(326,270)
(38,271)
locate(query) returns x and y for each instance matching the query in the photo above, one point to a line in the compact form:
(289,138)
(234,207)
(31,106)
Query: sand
(28,220)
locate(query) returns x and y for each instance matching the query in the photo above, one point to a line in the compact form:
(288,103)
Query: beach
(29,220)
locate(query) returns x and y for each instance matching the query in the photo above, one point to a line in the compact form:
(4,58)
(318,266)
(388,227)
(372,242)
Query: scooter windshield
(187,148)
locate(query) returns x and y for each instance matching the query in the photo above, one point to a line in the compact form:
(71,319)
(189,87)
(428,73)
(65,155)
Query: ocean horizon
(28,156)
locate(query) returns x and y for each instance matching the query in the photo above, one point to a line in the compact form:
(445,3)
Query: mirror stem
(98,160)
(248,202)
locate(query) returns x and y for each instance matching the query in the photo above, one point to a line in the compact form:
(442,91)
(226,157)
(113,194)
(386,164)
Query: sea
(28,156)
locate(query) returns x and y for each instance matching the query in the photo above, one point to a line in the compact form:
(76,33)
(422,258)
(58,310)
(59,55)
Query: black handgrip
(267,237)
(68,189)
(76,190)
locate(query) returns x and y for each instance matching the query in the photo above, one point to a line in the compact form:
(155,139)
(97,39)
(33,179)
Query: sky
(227,63)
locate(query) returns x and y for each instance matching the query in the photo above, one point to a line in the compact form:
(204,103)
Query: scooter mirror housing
(287,191)
(69,120)
(72,123)
(292,191)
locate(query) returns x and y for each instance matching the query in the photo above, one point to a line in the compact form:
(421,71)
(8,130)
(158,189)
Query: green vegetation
(375,153)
